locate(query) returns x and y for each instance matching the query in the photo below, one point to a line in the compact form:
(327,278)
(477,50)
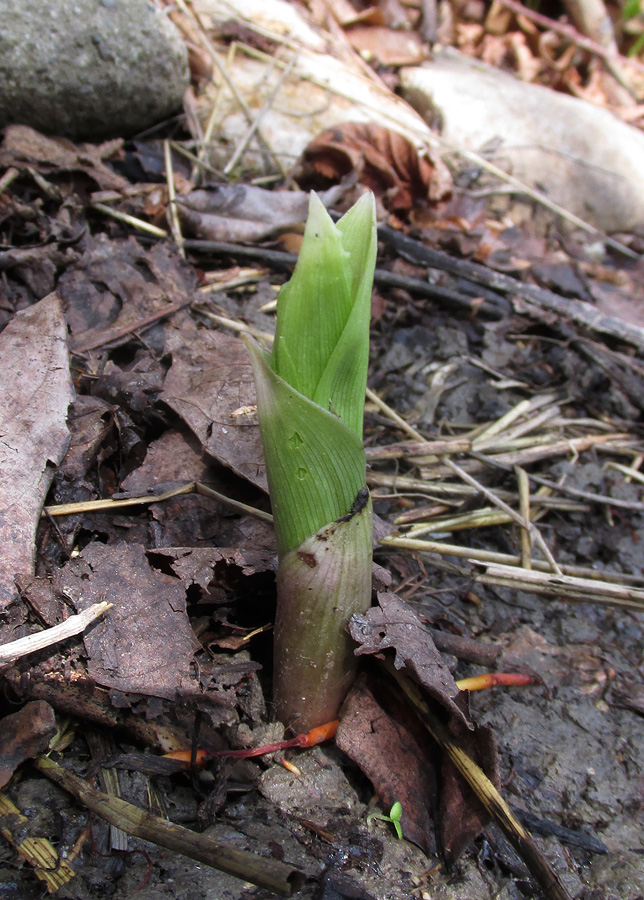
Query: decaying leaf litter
(492,408)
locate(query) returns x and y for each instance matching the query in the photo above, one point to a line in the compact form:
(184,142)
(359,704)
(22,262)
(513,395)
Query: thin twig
(578,311)
(524,508)
(491,496)
(41,639)
(173,215)
(140,224)
(475,554)
(393,415)
(270,874)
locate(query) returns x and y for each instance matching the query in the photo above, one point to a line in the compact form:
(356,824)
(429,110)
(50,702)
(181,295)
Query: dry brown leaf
(145,645)
(36,393)
(215,570)
(393,756)
(241,212)
(23,144)
(458,815)
(382,160)
(210,378)
(23,735)
(384,45)
(119,287)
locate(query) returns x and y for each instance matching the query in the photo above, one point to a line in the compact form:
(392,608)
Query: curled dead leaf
(386,45)
(383,160)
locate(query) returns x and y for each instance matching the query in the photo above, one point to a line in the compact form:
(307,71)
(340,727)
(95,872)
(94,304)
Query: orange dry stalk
(307,739)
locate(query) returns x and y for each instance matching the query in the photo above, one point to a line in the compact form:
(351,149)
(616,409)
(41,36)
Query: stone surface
(579,155)
(89,69)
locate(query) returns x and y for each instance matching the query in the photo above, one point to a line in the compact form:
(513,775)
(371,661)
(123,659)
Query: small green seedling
(395,815)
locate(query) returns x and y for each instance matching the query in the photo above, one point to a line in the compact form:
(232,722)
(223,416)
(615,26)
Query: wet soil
(571,751)
(154,409)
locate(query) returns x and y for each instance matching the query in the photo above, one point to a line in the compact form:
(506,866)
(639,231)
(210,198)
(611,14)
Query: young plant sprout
(395,815)
(310,399)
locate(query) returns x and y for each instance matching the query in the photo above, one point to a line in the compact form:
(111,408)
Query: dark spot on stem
(308,558)
(362,498)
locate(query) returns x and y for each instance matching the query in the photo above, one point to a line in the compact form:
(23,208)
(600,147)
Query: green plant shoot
(395,815)
(310,399)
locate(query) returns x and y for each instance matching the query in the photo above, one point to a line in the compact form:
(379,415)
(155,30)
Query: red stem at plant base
(307,739)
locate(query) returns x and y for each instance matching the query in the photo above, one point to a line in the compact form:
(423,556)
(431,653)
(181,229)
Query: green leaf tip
(322,334)
(311,388)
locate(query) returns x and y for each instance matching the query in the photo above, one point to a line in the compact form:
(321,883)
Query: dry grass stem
(511,416)
(191,487)
(438,491)
(418,449)
(139,224)
(172,213)
(523,484)
(38,852)
(588,495)
(214,54)
(485,517)
(8,178)
(391,414)
(243,277)
(534,532)
(537,453)
(474,554)
(254,125)
(532,431)
(239,327)
(32,642)
(562,586)
(631,473)
(509,437)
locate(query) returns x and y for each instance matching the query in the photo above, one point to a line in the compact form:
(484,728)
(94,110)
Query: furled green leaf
(322,335)
(315,464)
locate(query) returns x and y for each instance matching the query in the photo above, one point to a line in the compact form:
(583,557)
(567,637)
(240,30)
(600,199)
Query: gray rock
(89,69)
